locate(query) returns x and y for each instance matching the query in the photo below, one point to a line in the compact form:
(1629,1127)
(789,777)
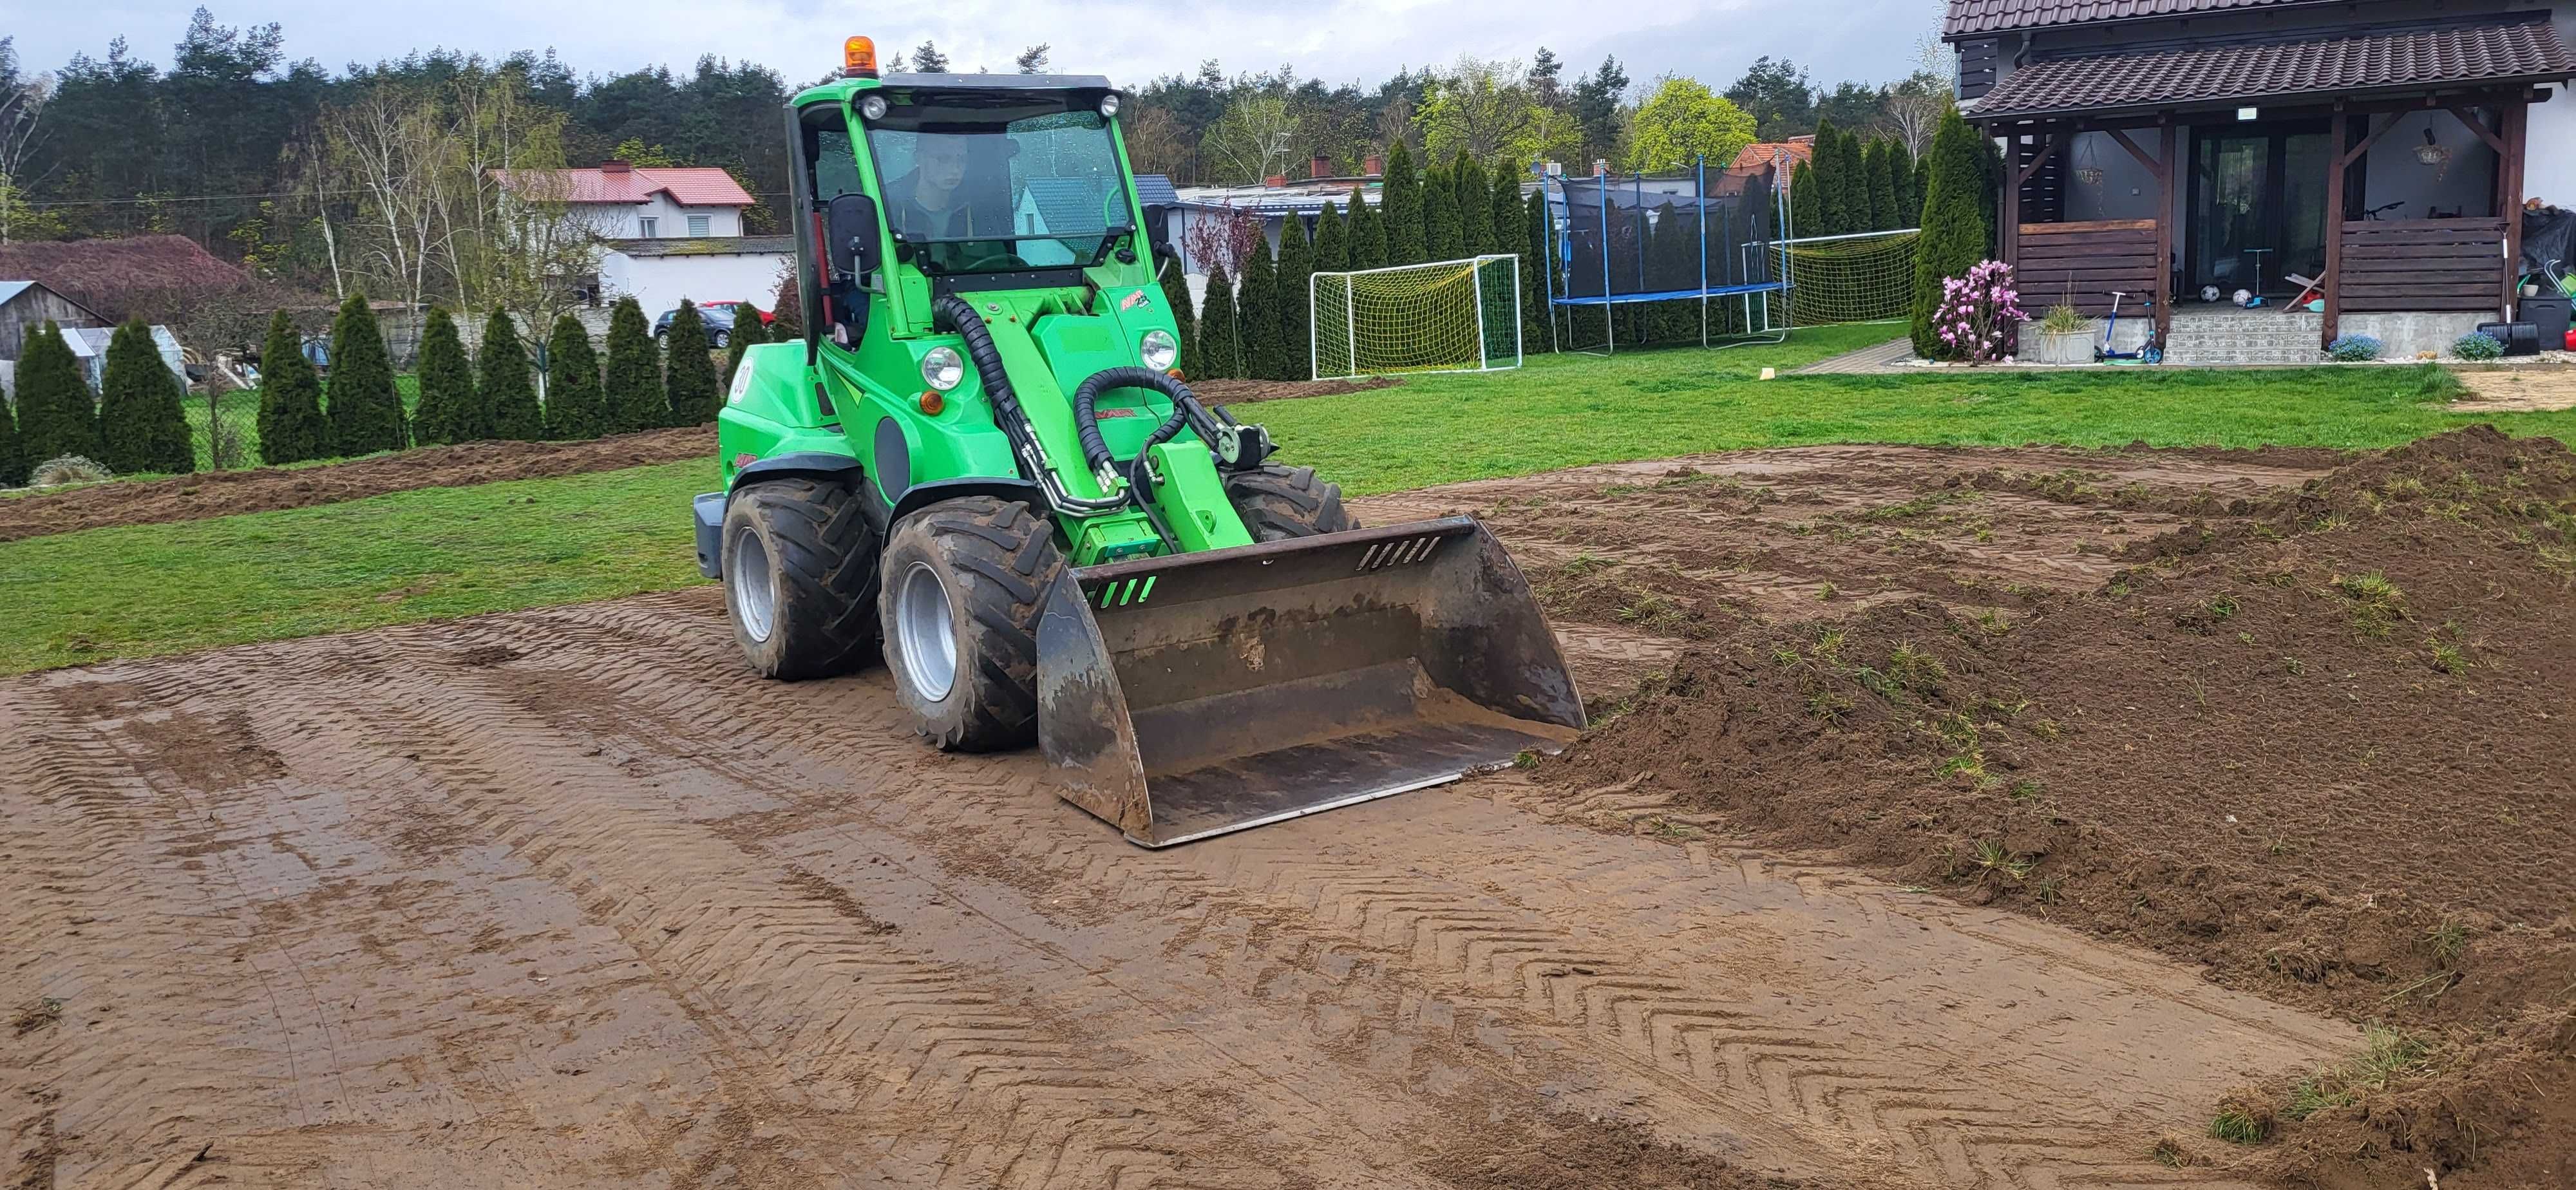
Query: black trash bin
(2549,312)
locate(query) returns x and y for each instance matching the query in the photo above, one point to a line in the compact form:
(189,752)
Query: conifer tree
(1296,306)
(1220,349)
(634,384)
(1400,209)
(1256,316)
(448,411)
(690,373)
(503,385)
(140,425)
(1922,189)
(1954,222)
(13,455)
(366,410)
(1806,201)
(1332,250)
(748,332)
(789,312)
(1900,181)
(574,407)
(1475,208)
(1185,317)
(1440,225)
(1503,217)
(1887,194)
(1368,236)
(291,426)
(57,414)
(1834,189)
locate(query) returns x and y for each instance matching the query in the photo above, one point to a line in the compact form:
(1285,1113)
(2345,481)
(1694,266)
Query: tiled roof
(1155,190)
(689,187)
(2464,53)
(1969,18)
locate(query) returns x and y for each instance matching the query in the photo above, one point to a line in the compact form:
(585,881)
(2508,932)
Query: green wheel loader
(982,465)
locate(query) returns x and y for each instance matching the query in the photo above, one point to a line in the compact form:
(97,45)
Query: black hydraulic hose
(954,313)
(1186,410)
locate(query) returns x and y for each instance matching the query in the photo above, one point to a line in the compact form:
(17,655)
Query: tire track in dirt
(1633,1007)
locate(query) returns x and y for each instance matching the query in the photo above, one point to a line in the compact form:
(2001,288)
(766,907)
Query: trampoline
(1644,239)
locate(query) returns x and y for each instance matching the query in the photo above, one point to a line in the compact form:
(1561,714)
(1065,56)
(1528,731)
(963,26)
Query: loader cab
(954,184)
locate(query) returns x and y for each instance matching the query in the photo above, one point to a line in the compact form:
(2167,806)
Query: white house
(668,233)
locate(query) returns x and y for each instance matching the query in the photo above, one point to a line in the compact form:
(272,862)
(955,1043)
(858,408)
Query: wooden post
(2008,236)
(2333,280)
(2165,174)
(2516,116)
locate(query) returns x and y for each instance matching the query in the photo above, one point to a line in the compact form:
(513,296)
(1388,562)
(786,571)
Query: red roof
(1759,153)
(689,187)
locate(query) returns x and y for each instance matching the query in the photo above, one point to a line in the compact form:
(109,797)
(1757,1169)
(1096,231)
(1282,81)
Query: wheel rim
(747,585)
(929,641)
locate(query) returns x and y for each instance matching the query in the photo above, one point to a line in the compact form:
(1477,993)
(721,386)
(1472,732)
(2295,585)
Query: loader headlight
(1158,351)
(942,368)
(1108,107)
(873,107)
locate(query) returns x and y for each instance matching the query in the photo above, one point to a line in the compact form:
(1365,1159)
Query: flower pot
(2064,347)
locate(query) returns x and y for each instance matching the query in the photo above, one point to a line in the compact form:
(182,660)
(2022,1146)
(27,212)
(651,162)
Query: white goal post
(1445,316)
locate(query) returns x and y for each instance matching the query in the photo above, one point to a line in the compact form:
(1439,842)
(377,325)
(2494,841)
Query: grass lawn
(151,589)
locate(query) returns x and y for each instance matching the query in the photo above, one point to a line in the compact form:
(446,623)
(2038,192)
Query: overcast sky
(1129,40)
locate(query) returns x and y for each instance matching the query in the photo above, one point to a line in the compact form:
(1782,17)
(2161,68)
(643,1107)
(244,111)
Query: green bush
(1806,201)
(1955,228)
(291,427)
(634,383)
(574,406)
(2477,345)
(1220,350)
(502,380)
(140,425)
(449,410)
(366,411)
(57,414)
(689,372)
(13,459)
(1296,313)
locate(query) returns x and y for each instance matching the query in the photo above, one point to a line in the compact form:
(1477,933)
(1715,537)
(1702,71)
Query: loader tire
(1278,503)
(965,580)
(799,562)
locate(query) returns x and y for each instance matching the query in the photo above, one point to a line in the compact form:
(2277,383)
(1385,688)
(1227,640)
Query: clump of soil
(1244,392)
(265,489)
(1567,1155)
(2317,741)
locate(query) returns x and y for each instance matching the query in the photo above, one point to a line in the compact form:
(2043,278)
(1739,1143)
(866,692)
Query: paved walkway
(1889,356)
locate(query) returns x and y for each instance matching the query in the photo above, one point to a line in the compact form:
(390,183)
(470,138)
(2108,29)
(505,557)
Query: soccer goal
(1445,316)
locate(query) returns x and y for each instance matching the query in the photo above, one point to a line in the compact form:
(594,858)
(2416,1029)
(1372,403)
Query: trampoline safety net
(1642,239)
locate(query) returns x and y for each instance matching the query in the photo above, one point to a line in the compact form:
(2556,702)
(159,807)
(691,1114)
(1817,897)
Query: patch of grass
(2448,941)
(143,590)
(1525,759)
(2025,790)
(1989,859)
(2240,1127)
(2386,1054)
(2377,603)
(2169,1151)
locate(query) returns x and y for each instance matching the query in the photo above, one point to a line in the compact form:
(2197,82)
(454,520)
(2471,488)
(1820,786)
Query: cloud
(1132,41)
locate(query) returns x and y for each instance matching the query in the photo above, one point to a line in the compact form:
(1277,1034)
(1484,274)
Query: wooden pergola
(2462,264)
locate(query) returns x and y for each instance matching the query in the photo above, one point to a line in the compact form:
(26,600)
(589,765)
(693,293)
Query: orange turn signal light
(1174,373)
(858,58)
(932,402)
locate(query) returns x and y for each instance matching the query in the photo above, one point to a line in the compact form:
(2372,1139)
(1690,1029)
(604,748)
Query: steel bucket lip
(1449,526)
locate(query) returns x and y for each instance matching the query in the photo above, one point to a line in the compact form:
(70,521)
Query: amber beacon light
(858,58)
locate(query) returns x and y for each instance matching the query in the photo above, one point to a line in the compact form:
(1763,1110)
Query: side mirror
(1158,230)
(850,232)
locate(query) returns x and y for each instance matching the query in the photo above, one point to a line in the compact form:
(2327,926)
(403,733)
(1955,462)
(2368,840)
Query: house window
(697,225)
(648,226)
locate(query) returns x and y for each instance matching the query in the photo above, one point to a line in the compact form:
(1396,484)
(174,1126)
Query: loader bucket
(1190,695)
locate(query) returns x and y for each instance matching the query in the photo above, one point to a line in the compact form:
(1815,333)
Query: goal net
(1445,316)
(1863,277)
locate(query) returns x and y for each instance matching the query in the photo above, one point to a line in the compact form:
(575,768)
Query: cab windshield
(1024,183)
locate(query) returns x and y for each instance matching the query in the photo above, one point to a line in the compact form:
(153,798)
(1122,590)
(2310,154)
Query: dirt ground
(567,897)
(1244,392)
(223,493)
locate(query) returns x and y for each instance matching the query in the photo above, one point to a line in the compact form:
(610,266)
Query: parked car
(718,317)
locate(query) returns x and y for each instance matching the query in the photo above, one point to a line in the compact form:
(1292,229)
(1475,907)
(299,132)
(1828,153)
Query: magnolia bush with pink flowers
(1979,314)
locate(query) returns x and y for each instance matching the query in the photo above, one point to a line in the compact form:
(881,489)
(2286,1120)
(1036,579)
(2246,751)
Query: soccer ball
(2242,297)
(2209,293)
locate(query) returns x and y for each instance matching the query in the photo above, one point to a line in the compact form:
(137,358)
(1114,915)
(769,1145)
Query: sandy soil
(568,898)
(223,493)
